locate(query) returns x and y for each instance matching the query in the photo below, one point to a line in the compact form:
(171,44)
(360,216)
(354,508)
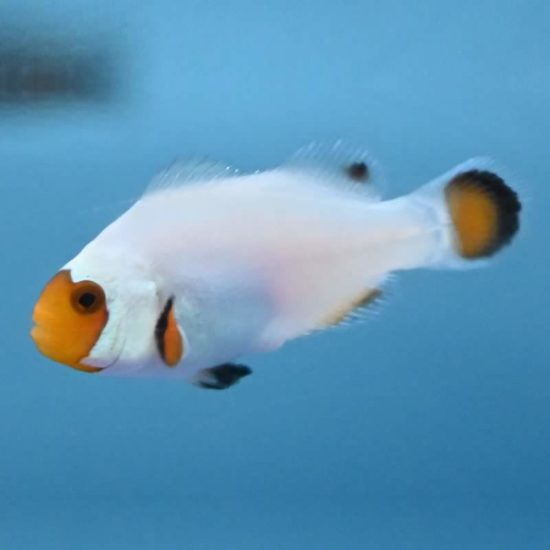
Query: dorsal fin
(189,172)
(339,164)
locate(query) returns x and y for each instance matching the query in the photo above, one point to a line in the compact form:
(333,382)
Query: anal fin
(221,377)
(364,301)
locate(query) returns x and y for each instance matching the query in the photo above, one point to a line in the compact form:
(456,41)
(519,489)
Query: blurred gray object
(54,70)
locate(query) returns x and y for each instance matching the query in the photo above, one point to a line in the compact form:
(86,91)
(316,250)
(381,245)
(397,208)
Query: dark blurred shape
(358,171)
(36,72)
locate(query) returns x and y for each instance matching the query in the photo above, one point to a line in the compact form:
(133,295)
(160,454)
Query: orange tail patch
(485,212)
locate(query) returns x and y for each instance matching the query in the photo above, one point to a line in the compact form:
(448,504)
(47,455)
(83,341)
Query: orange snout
(69,318)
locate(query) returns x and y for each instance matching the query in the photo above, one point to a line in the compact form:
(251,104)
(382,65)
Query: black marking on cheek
(161,326)
(358,171)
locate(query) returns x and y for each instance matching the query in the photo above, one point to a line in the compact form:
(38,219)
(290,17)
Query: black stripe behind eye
(161,326)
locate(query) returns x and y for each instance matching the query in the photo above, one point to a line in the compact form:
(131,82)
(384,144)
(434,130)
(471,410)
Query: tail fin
(484,211)
(480,209)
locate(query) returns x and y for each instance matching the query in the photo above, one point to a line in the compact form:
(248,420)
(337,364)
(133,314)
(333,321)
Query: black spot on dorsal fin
(221,377)
(358,171)
(337,164)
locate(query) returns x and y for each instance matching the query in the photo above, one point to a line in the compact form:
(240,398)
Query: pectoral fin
(221,377)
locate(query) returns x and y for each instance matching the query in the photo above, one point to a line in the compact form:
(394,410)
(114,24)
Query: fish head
(96,312)
(69,318)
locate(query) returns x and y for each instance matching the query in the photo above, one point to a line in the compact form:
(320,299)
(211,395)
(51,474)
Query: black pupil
(86,300)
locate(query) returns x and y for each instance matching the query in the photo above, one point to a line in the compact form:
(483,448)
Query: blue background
(426,427)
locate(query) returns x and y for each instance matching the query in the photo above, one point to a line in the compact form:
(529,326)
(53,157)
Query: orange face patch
(69,318)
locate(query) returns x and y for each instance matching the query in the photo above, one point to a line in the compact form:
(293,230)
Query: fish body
(210,265)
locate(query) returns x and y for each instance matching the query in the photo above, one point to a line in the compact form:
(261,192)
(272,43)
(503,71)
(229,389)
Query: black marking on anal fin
(161,326)
(362,303)
(358,171)
(371,297)
(222,377)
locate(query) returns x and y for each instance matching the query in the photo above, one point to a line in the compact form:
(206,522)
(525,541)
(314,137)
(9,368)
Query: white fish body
(252,261)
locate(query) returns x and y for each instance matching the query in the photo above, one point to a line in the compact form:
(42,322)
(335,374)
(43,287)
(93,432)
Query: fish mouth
(53,348)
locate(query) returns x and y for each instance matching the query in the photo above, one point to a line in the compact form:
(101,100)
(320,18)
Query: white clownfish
(211,264)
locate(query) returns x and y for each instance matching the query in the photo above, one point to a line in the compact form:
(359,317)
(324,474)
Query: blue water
(426,427)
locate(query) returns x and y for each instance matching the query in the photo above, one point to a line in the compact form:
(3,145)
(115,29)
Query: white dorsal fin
(188,172)
(339,164)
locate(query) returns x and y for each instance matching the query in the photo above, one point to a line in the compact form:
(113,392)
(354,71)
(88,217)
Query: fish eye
(87,297)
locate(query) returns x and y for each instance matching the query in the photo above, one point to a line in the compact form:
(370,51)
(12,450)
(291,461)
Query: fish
(211,264)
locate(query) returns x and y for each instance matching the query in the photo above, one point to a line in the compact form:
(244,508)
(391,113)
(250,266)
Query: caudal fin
(477,210)
(484,212)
